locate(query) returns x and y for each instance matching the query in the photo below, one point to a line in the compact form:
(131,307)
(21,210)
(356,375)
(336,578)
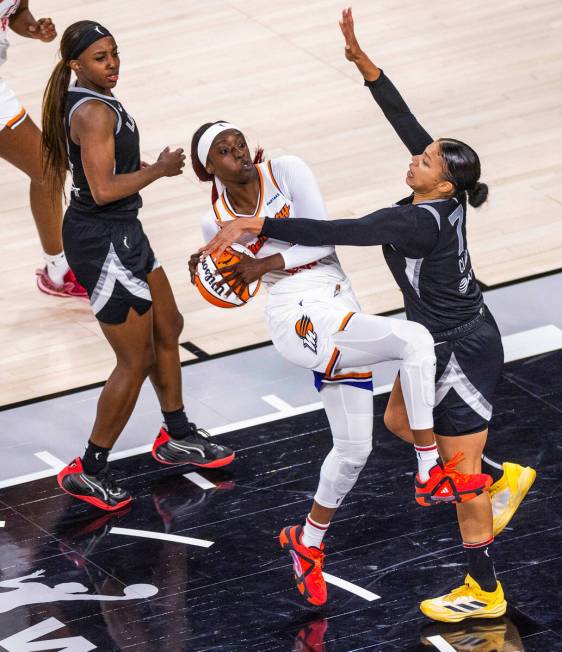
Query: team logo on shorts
(305,330)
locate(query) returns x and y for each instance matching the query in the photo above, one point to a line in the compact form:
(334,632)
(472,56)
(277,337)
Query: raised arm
(386,95)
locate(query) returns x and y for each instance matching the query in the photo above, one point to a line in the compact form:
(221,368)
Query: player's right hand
(171,163)
(352,50)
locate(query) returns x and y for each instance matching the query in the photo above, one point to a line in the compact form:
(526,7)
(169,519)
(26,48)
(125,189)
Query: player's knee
(420,345)
(348,472)
(168,335)
(139,364)
(355,454)
(147,360)
(177,325)
(396,421)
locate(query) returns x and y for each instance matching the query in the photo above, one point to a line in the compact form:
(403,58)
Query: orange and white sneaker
(307,564)
(447,485)
(69,288)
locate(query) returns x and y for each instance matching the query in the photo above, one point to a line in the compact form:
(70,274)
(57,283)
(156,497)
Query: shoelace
(108,482)
(459,592)
(198,433)
(319,560)
(450,470)
(318,563)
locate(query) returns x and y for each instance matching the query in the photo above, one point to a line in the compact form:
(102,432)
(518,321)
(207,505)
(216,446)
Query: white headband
(207,138)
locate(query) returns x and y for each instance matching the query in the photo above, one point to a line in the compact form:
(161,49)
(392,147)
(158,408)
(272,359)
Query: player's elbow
(101,195)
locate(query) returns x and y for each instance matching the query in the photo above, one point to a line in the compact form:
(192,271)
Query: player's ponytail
(478,194)
(53,140)
(461,166)
(198,167)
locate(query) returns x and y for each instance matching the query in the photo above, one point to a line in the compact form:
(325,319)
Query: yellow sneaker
(467,601)
(499,635)
(508,492)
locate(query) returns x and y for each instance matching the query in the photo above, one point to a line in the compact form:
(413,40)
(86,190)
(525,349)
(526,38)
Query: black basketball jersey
(127,158)
(439,290)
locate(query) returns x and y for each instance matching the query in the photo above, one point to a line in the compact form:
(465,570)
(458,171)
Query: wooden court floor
(487,73)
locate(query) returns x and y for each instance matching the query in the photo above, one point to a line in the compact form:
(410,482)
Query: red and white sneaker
(447,485)
(99,490)
(69,288)
(307,565)
(197,448)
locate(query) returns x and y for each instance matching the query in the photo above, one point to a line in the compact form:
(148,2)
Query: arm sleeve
(413,230)
(209,226)
(297,181)
(396,111)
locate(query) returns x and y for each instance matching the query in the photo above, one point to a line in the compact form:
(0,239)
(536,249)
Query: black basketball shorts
(111,259)
(469,367)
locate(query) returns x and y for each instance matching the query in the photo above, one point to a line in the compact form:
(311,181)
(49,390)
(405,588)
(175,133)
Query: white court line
(441,644)
(51,460)
(30,477)
(352,588)
(199,480)
(532,342)
(519,345)
(176,538)
(277,403)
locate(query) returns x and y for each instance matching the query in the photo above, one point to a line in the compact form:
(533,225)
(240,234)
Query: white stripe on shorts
(454,378)
(114,270)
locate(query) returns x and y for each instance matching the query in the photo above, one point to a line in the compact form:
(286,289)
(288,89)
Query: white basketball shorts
(12,112)
(301,326)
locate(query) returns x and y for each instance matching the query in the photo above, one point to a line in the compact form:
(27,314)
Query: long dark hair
(53,140)
(461,166)
(198,167)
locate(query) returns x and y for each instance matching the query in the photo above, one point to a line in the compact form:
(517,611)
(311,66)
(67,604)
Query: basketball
(208,279)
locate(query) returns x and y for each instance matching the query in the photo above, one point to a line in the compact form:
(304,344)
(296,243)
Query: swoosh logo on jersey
(125,242)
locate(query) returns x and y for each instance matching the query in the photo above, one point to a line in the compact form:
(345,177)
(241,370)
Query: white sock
(57,267)
(427,459)
(313,533)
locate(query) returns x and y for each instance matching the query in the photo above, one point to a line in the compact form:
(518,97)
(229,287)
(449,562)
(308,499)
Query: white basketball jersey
(7,8)
(273,204)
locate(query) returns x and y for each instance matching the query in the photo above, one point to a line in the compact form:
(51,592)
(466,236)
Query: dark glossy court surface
(102,590)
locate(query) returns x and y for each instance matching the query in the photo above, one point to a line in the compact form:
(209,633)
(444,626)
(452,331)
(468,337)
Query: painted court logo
(25,591)
(304,328)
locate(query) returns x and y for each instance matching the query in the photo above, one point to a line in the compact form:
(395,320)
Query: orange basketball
(209,276)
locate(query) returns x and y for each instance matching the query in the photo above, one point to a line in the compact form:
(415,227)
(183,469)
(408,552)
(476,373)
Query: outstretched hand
(231,232)
(352,49)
